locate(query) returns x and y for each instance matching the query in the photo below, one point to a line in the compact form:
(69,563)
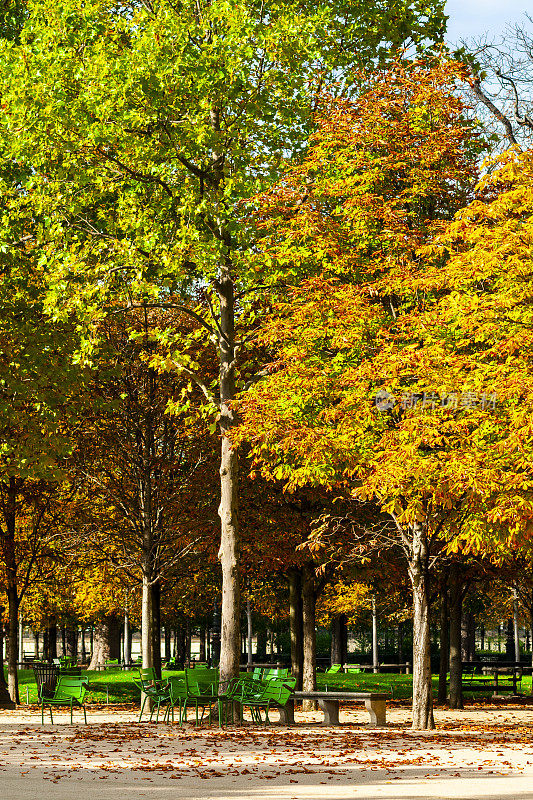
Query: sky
(474,18)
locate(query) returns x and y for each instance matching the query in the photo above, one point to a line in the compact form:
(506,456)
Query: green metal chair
(257,695)
(153,689)
(70,691)
(177,696)
(202,691)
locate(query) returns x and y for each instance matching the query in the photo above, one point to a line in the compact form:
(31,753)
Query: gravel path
(484,752)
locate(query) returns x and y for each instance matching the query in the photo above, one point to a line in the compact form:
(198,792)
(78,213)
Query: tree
(151,123)
(38,385)
(383,175)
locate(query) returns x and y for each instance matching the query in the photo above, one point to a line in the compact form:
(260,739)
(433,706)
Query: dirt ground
(482,752)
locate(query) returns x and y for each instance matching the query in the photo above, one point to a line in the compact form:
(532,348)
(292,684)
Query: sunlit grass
(117,686)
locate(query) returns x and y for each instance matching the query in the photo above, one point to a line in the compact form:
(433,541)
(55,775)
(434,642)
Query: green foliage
(146,126)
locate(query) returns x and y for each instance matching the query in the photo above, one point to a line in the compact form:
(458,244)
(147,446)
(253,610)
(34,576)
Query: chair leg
(84,714)
(71,712)
(51,717)
(142,708)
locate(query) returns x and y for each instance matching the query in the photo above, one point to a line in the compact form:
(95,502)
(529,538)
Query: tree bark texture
(5,698)
(203,648)
(468,636)
(147,640)
(156,627)
(444,660)
(309,634)
(10,564)
(418,574)
(106,641)
(509,640)
(456,608)
(336,640)
(72,642)
(296,626)
(516,635)
(375,652)
(249,634)
(127,639)
(262,645)
(229,552)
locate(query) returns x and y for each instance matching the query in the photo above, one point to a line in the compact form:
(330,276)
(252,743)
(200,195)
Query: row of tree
(255,226)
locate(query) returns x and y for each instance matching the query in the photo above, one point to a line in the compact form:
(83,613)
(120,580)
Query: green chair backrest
(147,674)
(275,674)
(257,673)
(148,679)
(71,687)
(201,679)
(334,668)
(247,690)
(276,692)
(177,688)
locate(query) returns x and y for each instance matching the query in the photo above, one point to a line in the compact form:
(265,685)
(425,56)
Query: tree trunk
(531,618)
(468,636)
(72,643)
(63,640)
(309,634)
(343,624)
(5,698)
(36,637)
(515,628)
(147,642)
(156,627)
(375,653)
(10,565)
(296,626)
(203,649)
(187,641)
(127,639)
(21,642)
(83,649)
(336,640)
(106,641)
(167,643)
(418,574)
(101,648)
(50,639)
(180,643)
(444,661)
(509,640)
(230,643)
(229,467)
(262,646)
(249,635)
(456,607)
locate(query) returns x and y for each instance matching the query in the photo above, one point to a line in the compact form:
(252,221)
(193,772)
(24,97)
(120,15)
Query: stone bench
(375,703)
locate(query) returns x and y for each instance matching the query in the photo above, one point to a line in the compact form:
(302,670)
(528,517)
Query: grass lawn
(121,689)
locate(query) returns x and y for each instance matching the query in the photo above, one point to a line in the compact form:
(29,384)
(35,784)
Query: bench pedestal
(375,704)
(331,711)
(378,712)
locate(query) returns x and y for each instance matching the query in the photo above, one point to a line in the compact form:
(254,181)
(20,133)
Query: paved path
(484,753)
